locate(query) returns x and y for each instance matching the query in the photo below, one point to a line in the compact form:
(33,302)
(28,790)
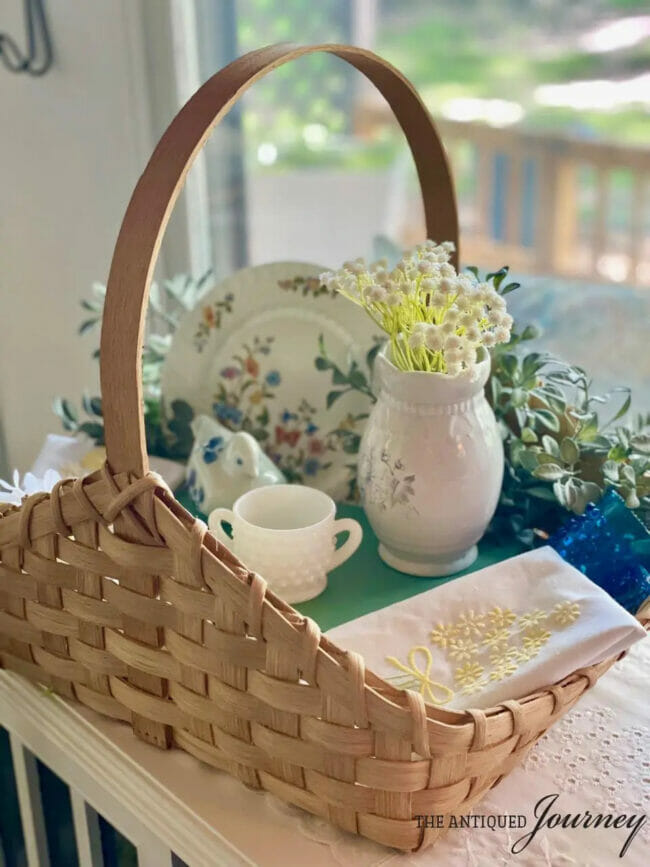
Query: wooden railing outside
(544,204)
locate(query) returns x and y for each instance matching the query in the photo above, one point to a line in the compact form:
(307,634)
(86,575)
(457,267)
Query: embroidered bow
(415,676)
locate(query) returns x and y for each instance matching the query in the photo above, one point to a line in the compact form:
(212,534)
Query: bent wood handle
(157,190)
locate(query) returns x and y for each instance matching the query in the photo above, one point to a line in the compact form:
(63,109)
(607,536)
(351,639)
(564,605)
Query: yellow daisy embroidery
(486,646)
(532,619)
(503,668)
(500,618)
(566,612)
(474,686)
(525,654)
(442,634)
(503,652)
(469,673)
(535,639)
(496,637)
(469,623)
(462,648)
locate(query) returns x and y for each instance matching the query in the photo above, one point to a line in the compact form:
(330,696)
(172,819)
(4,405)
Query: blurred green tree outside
(453,50)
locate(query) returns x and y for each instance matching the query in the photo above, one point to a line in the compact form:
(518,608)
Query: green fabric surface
(365,583)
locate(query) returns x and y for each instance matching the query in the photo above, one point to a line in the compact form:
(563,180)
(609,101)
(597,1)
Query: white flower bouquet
(436,319)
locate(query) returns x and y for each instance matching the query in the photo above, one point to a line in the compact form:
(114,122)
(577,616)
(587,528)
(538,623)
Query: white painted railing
(162,801)
(103,779)
(544,204)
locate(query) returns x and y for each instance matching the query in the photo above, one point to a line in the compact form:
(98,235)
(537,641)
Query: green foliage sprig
(559,455)
(168,303)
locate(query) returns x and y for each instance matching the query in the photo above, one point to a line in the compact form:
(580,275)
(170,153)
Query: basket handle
(150,207)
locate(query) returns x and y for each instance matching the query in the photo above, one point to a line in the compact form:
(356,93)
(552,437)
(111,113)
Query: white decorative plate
(246,355)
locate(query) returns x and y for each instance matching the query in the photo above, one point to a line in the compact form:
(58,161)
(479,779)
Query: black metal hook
(37,31)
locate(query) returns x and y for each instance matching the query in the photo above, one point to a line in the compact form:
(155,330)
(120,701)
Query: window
(543,109)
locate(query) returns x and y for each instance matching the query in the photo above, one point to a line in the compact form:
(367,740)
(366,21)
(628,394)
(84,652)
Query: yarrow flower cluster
(436,319)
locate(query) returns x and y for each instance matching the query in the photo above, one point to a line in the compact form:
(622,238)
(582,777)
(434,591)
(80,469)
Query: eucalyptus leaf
(569,451)
(509,363)
(549,472)
(94,430)
(548,419)
(518,397)
(528,460)
(590,492)
(628,474)
(624,408)
(610,470)
(530,332)
(641,443)
(510,288)
(551,446)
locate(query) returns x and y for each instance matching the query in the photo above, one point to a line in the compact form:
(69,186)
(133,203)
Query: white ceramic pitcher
(430,467)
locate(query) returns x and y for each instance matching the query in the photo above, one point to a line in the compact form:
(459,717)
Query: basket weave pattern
(113,595)
(162,626)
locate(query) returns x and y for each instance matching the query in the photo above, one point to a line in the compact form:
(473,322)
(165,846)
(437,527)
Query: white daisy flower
(464,282)
(495,317)
(425,266)
(434,338)
(12,493)
(376,293)
(488,339)
(469,354)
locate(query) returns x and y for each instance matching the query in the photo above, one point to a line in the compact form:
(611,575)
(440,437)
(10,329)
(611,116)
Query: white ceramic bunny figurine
(224,465)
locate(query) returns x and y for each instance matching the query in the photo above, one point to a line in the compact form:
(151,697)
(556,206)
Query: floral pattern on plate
(247,356)
(290,435)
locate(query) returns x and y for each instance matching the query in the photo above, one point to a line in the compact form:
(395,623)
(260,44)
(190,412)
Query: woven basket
(114,595)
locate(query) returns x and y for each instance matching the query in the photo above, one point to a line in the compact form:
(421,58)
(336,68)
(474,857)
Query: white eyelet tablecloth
(597,758)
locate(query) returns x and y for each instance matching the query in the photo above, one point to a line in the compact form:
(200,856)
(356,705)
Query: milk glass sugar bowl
(288,533)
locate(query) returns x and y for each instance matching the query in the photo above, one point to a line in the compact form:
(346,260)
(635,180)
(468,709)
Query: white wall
(72,145)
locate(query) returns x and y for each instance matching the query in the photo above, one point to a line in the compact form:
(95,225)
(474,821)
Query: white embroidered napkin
(499,633)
